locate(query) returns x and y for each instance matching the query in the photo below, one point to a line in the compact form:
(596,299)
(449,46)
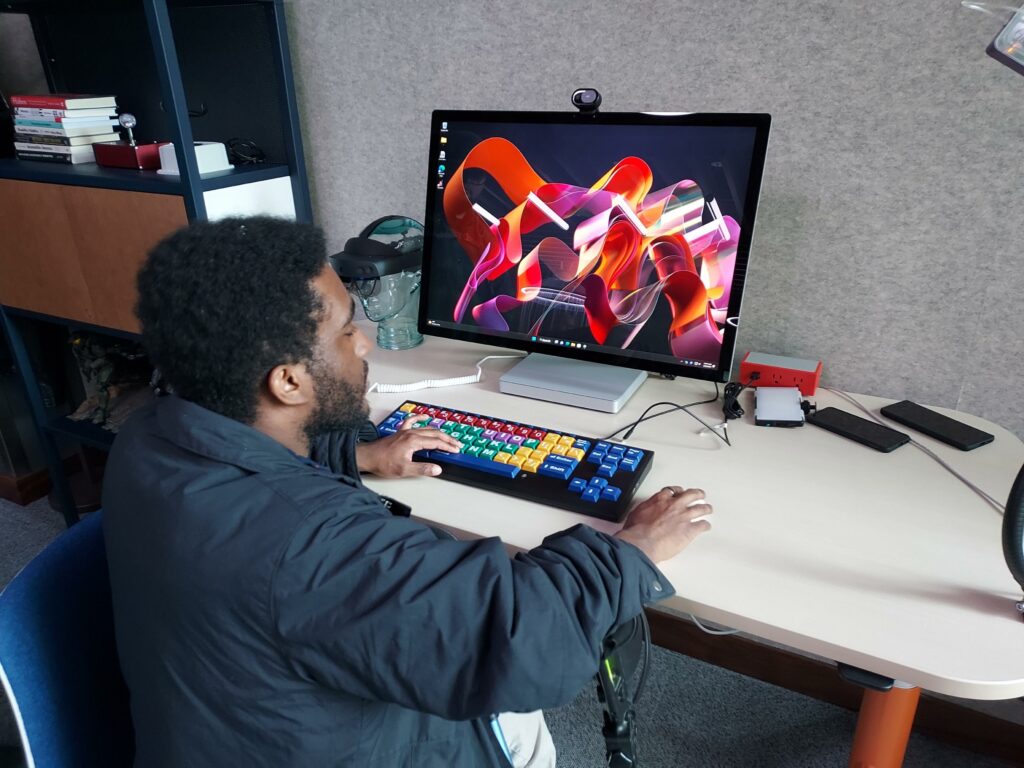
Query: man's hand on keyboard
(392,456)
(666,523)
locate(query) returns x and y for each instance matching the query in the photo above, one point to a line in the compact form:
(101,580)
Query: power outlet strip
(781,371)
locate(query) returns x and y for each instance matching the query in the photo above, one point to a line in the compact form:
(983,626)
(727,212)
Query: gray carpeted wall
(891,222)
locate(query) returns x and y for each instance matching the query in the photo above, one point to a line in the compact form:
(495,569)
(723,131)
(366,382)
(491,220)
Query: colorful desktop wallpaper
(622,262)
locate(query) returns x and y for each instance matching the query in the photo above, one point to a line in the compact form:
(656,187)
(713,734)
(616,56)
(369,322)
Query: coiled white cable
(432,383)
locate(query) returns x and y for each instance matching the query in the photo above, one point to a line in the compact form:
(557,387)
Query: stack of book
(62,127)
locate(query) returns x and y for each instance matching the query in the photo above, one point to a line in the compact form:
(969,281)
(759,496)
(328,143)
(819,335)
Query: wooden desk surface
(883,561)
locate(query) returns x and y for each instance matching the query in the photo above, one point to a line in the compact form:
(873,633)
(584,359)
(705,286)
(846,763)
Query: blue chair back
(58,658)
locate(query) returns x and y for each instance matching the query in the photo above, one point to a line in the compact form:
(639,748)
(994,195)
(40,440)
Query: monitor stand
(572,382)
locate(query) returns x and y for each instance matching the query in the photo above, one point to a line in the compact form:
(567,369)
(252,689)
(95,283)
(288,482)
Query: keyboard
(581,474)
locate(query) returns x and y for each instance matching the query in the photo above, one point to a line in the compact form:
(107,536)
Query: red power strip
(779,371)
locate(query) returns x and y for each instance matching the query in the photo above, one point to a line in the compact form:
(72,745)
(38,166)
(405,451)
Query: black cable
(672,407)
(245,152)
(731,407)
(647,657)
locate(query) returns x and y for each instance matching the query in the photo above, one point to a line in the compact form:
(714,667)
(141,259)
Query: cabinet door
(73,252)
(115,230)
(39,267)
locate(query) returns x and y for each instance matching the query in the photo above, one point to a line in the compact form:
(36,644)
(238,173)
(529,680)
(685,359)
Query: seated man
(269,609)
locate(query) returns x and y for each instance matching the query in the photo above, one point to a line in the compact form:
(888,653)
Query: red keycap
(468,420)
(524,431)
(538,434)
(446,415)
(498,426)
(420,409)
(457,417)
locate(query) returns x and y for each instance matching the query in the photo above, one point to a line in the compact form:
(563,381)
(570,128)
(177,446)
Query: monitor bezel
(759,121)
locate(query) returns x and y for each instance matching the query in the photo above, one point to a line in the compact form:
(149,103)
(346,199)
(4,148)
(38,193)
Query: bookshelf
(189,70)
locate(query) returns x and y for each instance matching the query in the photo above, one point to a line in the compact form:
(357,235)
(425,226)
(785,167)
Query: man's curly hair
(221,303)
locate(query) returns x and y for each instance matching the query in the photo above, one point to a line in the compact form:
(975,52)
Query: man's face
(338,368)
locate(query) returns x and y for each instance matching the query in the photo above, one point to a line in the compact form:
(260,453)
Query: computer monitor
(614,239)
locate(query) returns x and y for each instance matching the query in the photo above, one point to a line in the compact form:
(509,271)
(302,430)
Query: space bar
(473,462)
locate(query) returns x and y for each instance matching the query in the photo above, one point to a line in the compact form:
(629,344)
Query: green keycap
(487,453)
(510,448)
(482,442)
(476,431)
(531,443)
(495,445)
(473,450)
(448,426)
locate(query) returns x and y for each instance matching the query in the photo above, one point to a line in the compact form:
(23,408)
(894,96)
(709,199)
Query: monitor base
(572,382)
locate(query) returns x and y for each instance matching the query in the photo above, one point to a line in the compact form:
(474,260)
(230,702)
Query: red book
(63,101)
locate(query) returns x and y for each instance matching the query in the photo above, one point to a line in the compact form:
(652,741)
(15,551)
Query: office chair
(1013,533)
(58,659)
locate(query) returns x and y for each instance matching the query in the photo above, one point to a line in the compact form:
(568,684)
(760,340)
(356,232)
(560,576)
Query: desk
(882,561)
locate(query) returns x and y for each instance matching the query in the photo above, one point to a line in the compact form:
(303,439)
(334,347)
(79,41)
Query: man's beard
(340,406)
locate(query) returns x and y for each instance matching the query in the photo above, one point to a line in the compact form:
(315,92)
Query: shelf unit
(189,70)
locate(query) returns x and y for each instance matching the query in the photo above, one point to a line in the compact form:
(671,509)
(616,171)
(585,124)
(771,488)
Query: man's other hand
(392,456)
(665,524)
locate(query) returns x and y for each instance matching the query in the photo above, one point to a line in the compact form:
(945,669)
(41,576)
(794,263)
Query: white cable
(1000,508)
(432,383)
(989,8)
(713,631)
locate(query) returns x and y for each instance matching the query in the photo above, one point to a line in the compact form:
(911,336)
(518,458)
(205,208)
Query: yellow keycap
(516,461)
(551,437)
(567,441)
(559,450)
(407,407)
(539,455)
(576,453)
(501,457)
(531,465)
(546,445)
(524,452)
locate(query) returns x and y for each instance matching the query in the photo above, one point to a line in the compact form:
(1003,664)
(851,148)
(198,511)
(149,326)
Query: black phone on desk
(933,424)
(868,433)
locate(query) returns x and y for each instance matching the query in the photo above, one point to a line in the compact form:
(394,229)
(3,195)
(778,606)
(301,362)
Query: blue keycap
(383,430)
(606,470)
(617,450)
(590,493)
(564,461)
(554,470)
(634,453)
(583,445)
(473,462)
(602,447)
(595,457)
(577,484)
(611,493)
(598,482)
(628,464)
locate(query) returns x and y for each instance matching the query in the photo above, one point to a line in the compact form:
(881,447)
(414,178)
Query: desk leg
(883,727)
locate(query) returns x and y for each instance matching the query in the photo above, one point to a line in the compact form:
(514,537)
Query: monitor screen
(615,238)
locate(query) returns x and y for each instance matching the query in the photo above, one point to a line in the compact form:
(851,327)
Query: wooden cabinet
(73,252)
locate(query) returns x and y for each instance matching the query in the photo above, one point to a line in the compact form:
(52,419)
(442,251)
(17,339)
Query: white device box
(778,407)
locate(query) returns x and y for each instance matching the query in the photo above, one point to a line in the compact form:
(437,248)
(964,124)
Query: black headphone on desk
(1013,533)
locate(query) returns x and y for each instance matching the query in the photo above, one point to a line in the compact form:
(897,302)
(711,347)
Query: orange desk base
(883,728)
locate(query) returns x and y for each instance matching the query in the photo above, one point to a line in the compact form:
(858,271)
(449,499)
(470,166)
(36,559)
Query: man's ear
(290,384)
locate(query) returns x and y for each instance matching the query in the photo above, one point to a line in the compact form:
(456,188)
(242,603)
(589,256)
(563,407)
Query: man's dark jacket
(271,611)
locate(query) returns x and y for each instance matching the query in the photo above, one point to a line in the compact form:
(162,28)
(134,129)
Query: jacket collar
(223,439)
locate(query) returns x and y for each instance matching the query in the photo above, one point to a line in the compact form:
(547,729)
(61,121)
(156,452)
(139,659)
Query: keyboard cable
(432,383)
